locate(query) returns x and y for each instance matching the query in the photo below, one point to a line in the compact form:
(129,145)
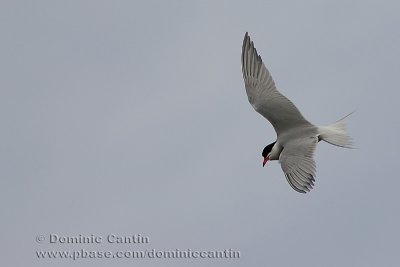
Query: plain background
(131,117)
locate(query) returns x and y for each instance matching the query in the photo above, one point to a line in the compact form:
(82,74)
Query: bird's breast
(276,151)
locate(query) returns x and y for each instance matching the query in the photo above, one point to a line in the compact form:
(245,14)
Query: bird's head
(266,153)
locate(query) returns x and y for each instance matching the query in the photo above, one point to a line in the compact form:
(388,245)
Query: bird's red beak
(265,161)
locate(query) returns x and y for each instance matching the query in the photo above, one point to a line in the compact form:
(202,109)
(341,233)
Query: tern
(296,138)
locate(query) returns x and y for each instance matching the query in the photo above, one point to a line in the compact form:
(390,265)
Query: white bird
(297,138)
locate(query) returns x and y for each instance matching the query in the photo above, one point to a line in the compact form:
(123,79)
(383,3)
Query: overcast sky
(128,117)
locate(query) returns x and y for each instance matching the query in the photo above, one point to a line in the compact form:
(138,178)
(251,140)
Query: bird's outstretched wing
(298,164)
(262,93)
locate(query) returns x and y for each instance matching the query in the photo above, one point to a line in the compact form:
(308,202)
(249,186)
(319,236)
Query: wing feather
(262,92)
(297,163)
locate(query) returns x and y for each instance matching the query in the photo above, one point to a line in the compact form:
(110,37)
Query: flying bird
(297,138)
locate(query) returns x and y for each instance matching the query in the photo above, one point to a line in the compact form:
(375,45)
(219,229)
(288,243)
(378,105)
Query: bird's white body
(296,137)
(292,135)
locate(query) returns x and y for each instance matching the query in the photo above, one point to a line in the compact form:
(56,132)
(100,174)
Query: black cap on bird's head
(266,151)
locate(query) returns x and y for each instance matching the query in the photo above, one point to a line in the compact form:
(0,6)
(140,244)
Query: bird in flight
(297,138)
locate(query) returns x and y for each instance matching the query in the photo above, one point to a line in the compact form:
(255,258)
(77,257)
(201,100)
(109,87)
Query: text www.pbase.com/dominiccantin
(139,254)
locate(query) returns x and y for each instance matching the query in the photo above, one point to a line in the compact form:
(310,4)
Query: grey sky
(131,117)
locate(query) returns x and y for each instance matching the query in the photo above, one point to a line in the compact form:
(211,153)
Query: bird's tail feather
(336,134)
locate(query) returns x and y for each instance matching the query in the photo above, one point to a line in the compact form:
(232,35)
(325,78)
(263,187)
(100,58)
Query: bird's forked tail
(336,134)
